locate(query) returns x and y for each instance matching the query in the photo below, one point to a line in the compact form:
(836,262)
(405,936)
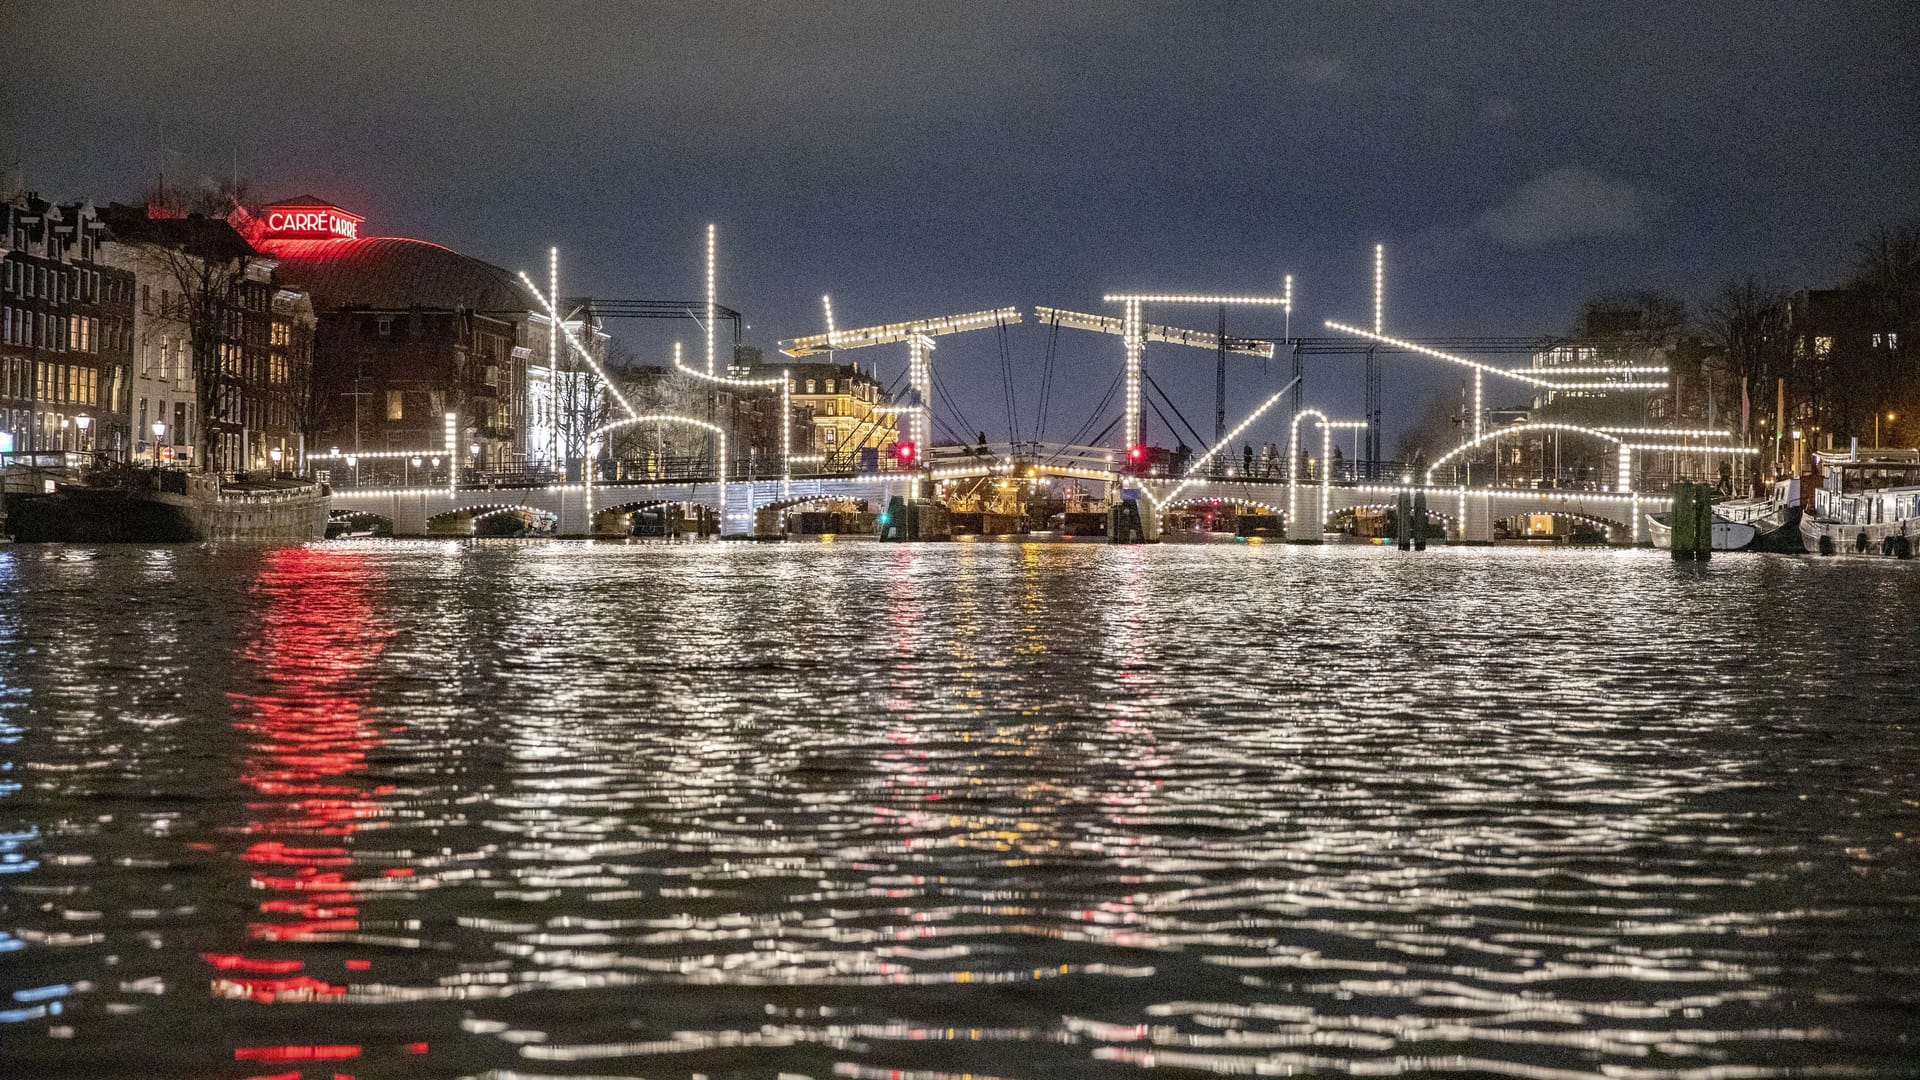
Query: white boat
(1727,535)
(1868,503)
(1775,516)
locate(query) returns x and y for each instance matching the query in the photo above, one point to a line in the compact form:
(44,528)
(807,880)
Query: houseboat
(1868,503)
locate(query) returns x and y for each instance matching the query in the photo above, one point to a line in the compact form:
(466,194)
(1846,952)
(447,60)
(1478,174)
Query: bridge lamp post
(159,432)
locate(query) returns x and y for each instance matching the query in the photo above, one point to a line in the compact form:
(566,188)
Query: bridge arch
(447,521)
(1449,523)
(341,522)
(719,440)
(1613,529)
(1521,429)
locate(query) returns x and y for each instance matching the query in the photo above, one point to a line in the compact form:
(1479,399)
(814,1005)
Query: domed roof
(395,273)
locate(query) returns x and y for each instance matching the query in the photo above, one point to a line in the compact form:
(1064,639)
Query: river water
(522,809)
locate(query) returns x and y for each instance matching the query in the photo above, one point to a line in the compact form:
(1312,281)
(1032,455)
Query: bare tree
(1752,324)
(1887,270)
(1632,322)
(211,282)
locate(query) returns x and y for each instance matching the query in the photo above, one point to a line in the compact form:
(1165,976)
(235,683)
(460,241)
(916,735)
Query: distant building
(208,305)
(1853,359)
(65,330)
(838,408)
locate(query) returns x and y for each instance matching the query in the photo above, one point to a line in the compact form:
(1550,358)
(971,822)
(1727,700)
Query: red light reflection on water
(308,737)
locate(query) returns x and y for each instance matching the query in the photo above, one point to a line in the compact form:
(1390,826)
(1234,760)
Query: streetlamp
(276,455)
(159,432)
(1891,417)
(354,464)
(83,422)
(406,477)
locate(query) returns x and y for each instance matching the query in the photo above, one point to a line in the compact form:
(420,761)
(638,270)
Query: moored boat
(1868,503)
(1775,516)
(170,508)
(1727,535)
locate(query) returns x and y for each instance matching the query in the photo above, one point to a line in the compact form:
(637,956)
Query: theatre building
(409,332)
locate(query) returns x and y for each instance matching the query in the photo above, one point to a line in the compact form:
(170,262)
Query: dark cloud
(1569,203)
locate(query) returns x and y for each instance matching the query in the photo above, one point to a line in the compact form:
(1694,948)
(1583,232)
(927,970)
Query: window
(385,326)
(1893,341)
(810,385)
(395,411)
(829,386)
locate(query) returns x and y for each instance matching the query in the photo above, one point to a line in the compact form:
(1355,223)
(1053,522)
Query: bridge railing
(1312,472)
(1570,480)
(654,468)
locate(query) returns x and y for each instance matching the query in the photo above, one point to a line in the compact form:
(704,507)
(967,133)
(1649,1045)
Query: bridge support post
(1125,523)
(409,515)
(1476,518)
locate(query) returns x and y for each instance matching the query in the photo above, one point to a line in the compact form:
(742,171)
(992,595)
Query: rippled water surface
(552,809)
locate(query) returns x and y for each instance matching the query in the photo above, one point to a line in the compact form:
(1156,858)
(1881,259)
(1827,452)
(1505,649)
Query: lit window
(810,385)
(829,386)
(394,409)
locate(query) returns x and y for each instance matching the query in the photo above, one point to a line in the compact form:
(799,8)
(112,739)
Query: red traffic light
(903,451)
(1137,454)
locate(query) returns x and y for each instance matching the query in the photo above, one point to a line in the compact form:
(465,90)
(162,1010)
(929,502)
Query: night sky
(916,159)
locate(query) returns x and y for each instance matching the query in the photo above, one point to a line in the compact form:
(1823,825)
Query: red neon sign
(327,222)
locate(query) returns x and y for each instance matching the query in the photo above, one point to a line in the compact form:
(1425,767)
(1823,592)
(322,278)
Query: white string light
(713,292)
(1555,371)
(1515,429)
(1184,298)
(900,331)
(1379,287)
(1678,433)
(1172,335)
(553,313)
(720,439)
(784,382)
(1666,448)
(1199,463)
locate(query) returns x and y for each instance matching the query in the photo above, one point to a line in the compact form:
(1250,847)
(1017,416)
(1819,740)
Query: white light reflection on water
(989,809)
